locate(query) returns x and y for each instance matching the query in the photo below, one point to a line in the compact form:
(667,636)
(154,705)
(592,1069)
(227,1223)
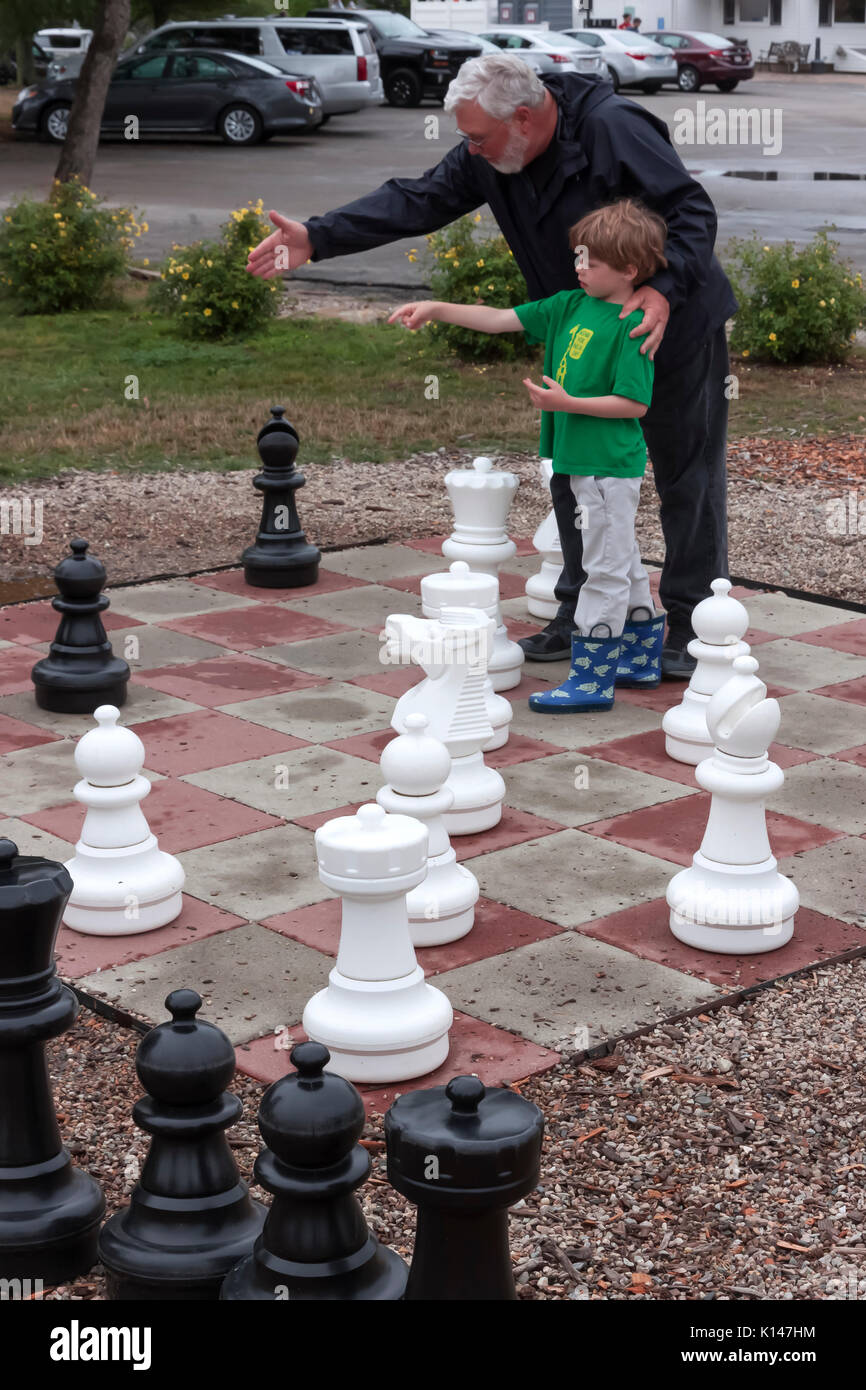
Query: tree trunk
(24,62)
(78,154)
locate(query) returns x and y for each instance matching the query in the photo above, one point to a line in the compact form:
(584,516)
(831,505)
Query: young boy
(589,427)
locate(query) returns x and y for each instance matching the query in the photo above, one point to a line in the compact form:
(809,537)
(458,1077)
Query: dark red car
(703,57)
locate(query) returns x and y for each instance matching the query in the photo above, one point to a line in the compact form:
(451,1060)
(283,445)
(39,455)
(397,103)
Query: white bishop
(719,622)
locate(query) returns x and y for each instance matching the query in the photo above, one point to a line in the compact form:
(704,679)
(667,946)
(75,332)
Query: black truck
(413,63)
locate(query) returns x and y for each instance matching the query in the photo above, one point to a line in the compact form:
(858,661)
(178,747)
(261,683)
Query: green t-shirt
(588,351)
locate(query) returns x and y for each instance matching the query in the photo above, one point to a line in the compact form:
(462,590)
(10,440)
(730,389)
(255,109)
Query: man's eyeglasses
(479,144)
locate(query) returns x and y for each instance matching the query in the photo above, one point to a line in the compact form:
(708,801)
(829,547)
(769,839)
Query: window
(775,11)
(63,40)
(321,42)
(199,67)
(754,11)
(825,12)
(229,36)
(146,70)
(728,15)
(174,38)
(849,12)
(367,43)
(594,40)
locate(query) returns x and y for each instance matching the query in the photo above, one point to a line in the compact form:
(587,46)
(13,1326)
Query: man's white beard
(513,157)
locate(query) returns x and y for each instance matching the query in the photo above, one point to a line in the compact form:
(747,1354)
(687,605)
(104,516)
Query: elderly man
(550,152)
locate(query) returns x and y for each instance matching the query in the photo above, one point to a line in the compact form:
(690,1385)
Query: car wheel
(240,125)
(403,88)
(55,122)
(324,120)
(614,77)
(729,85)
(688,78)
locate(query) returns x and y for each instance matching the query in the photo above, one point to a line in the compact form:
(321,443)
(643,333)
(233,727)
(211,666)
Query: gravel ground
(719,1158)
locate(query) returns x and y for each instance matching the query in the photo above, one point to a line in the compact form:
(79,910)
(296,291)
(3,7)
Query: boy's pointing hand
(415,314)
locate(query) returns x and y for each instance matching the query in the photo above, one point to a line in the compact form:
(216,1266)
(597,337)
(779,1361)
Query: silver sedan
(547,51)
(632,60)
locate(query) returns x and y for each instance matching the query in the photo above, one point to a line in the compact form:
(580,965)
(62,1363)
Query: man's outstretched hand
(656,312)
(264,261)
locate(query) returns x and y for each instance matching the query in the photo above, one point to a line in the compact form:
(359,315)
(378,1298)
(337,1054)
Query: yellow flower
(145,261)
(58,217)
(207,313)
(185,275)
(145,227)
(456,264)
(832,301)
(795,284)
(8,219)
(474,289)
(477,217)
(745,352)
(33,246)
(183,299)
(479,262)
(235,304)
(772,337)
(209,263)
(491,287)
(412,258)
(766,248)
(822,303)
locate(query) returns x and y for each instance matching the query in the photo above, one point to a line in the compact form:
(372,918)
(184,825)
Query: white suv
(338,53)
(66,48)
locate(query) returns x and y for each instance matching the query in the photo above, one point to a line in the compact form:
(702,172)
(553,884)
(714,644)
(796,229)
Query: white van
(339,53)
(66,49)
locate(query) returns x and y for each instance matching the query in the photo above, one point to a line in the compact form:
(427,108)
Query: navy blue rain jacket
(604,147)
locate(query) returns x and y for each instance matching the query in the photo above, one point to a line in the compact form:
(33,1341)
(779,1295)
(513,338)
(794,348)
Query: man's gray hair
(499,82)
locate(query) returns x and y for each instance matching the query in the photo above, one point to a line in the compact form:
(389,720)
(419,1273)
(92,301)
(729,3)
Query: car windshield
(395,26)
(714,40)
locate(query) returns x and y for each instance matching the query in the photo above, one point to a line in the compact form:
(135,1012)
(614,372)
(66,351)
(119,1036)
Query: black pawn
(190,1217)
(463,1154)
(80,672)
(281,557)
(49,1210)
(315,1243)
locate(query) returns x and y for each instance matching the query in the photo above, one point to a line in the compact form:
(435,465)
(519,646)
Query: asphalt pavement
(802,131)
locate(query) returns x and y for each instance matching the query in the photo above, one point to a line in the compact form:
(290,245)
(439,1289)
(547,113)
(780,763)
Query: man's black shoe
(677,663)
(552,644)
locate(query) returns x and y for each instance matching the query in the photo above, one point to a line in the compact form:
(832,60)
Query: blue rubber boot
(640,661)
(590,681)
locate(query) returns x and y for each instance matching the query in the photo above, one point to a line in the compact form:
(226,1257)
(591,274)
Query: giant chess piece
(80,670)
(453,654)
(442,908)
(481,499)
(315,1245)
(123,882)
(460,587)
(49,1210)
(463,1154)
(719,622)
(190,1217)
(733,899)
(540,596)
(378,1017)
(281,557)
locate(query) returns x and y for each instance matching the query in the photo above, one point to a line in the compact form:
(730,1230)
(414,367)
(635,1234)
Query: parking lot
(809,126)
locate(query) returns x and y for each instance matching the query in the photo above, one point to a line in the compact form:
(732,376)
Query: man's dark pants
(685,430)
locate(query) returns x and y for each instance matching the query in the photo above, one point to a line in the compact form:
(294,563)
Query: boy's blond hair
(622,234)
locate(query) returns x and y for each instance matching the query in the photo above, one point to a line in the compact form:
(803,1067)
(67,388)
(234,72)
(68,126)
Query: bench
(789,56)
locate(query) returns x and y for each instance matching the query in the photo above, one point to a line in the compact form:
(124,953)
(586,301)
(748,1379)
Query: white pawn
(733,899)
(416,766)
(540,597)
(719,622)
(460,587)
(481,499)
(378,1018)
(123,882)
(453,653)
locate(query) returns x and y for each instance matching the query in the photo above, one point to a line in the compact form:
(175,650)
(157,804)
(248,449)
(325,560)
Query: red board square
(394,682)
(14,733)
(38,622)
(226,680)
(519,749)
(264,625)
(646,753)
(233,582)
(844,637)
(853,691)
(495,1055)
(79,954)
(674,830)
(16,663)
(204,739)
(180,815)
(645,931)
(367,746)
(514,828)
(853,755)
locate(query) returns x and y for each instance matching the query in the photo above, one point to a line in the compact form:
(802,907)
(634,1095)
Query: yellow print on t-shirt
(578,339)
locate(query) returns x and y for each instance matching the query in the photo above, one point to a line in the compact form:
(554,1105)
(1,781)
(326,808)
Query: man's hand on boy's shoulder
(656,312)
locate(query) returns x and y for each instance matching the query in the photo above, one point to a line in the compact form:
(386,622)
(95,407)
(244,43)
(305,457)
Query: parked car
(537,47)
(702,57)
(336,51)
(9,66)
(66,48)
(184,91)
(413,64)
(632,60)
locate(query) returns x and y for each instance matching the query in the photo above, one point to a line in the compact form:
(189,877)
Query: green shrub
(64,253)
(468,271)
(795,305)
(206,289)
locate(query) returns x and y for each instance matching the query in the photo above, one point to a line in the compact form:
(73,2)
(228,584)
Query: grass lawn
(350,390)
